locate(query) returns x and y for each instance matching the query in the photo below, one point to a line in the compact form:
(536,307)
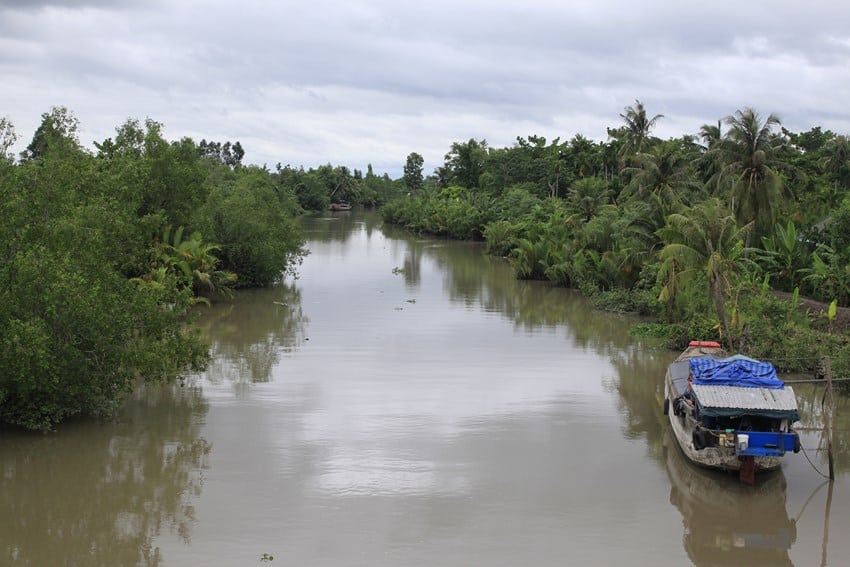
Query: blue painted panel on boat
(768,444)
(761,452)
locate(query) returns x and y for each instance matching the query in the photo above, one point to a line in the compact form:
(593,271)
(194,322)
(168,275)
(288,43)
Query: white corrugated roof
(745,398)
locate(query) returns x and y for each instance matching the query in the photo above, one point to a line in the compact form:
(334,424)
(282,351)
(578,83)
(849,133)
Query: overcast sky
(352,82)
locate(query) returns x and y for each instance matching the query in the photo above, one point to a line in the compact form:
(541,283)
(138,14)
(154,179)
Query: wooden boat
(340,206)
(730,413)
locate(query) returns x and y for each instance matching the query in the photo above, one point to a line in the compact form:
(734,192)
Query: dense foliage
(699,231)
(104,254)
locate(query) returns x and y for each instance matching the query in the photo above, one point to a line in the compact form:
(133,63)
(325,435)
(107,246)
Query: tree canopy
(697,230)
(104,256)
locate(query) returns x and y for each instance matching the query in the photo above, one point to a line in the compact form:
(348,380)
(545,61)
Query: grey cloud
(297,77)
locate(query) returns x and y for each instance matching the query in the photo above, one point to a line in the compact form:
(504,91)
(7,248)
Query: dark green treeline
(699,231)
(105,253)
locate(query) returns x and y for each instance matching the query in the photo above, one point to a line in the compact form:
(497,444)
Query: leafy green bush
(500,237)
(257,239)
(641,302)
(95,292)
(75,334)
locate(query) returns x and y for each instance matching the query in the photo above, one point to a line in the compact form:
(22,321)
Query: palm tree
(837,164)
(637,129)
(527,259)
(662,171)
(751,169)
(708,164)
(710,134)
(707,242)
(588,196)
(637,233)
(838,158)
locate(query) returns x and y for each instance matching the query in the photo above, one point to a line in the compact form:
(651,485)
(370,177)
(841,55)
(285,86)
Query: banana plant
(193,261)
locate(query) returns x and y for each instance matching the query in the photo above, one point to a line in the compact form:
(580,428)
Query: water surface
(406,401)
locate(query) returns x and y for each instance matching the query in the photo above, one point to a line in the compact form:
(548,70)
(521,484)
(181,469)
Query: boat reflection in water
(727,522)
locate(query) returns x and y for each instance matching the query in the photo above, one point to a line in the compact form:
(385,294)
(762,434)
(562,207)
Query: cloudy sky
(353,82)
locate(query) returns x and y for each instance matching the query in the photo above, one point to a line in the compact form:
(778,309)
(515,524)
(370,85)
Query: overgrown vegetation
(699,232)
(103,255)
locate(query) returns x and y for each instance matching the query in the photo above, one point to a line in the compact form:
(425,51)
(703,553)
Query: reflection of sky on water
(445,411)
(398,365)
(377,473)
(369,329)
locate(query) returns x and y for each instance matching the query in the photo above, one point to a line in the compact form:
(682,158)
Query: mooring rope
(811,463)
(809,499)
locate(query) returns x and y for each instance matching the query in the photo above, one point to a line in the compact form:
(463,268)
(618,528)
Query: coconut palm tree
(836,163)
(588,196)
(637,129)
(637,231)
(664,171)
(704,242)
(708,163)
(750,175)
(710,134)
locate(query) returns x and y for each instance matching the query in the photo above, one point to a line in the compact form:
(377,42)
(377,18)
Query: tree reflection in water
(98,493)
(339,226)
(252,332)
(810,403)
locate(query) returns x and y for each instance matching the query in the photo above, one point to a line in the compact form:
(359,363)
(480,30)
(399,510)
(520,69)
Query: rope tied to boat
(811,463)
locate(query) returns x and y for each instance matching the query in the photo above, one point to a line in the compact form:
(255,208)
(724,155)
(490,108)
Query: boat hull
(721,458)
(683,421)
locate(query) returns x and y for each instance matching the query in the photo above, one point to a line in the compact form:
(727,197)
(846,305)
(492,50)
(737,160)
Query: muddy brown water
(403,402)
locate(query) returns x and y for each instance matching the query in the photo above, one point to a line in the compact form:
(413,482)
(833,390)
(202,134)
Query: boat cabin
(738,403)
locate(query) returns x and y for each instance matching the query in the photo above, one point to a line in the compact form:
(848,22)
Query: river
(406,402)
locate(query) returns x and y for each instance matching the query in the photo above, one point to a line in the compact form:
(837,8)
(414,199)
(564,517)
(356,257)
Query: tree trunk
(720,305)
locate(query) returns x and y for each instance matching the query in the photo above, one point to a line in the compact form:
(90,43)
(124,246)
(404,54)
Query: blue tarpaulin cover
(736,370)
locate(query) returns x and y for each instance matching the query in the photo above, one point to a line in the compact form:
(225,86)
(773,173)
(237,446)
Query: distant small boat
(731,413)
(340,206)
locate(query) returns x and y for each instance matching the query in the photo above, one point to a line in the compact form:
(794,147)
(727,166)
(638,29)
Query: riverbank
(817,312)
